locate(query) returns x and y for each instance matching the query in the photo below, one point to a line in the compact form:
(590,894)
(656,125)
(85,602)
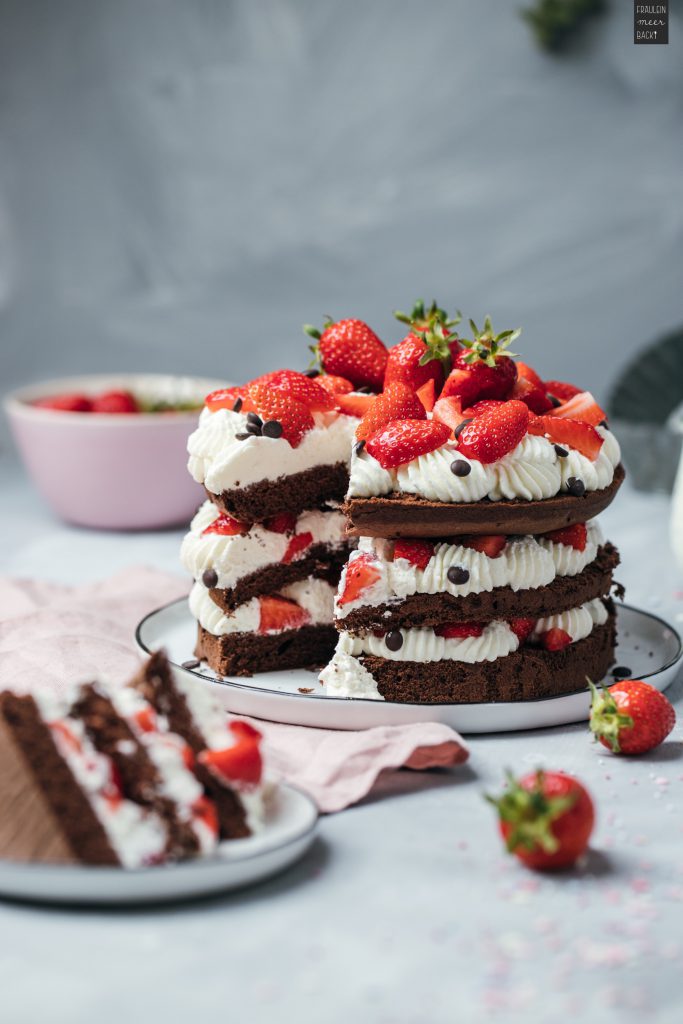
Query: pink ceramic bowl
(114,472)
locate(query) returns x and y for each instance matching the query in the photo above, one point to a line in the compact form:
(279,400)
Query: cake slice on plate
(100,777)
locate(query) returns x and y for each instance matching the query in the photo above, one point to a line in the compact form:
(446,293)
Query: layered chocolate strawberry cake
(266,550)
(480,573)
(125,776)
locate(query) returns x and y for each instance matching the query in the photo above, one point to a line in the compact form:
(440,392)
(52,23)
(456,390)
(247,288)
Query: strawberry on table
(417,552)
(546,819)
(485,368)
(361,573)
(115,402)
(581,436)
(582,407)
(401,441)
(65,403)
(279,613)
(491,435)
(397,402)
(631,717)
(350,349)
(283,416)
(575,536)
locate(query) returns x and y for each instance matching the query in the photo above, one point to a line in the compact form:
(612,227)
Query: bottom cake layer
(530,673)
(242,654)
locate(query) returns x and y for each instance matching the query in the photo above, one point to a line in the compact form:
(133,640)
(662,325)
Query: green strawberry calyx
(435,328)
(530,813)
(486,345)
(312,331)
(606,720)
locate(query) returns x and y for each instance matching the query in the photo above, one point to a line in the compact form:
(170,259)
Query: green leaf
(312,332)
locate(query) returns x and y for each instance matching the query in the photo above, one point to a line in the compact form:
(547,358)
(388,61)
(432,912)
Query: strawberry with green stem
(546,819)
(349,349)
(427,351)
(631,717)
(486,368)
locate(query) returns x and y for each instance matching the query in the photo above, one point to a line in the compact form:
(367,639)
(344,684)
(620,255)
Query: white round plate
(289,831)
(647,645)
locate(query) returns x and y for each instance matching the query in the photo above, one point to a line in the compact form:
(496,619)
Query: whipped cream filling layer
(222,463)
(234,557)
(346,676)
(532,471)
(137,835)
(524,564)
(316,597)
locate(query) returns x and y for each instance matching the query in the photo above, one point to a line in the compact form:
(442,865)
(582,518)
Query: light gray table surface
(406,910)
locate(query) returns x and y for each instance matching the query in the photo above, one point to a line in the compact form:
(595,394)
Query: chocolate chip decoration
(254,419)
(209,578)
(460,468)
(621,672)
(254,429)
(576,486)
(243,437)
(561,452)
(238,405)
(457,574)
(460,427)
(394,640)
(358,447)
(192,663)
(555,402)
(272,428)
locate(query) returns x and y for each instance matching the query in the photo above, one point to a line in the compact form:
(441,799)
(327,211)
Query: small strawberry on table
(631,717)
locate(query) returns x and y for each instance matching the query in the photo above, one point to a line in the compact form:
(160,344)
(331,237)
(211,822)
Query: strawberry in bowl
(109,451)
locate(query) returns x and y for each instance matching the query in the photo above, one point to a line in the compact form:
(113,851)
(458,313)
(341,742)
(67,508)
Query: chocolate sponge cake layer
(293,494)
(530,673)
(75,825)
(319,561)
(242,654)
(156,684)
(421,610)
(406,515)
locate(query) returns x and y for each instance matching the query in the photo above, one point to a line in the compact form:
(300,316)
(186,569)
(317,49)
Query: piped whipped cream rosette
(394,583)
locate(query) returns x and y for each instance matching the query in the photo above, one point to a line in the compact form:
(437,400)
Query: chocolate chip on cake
(237,405)
(358,447)
(604,424)
(394,640)
(457,574)
(621,672)
(209,578)
(253,417)
(460,427)
(561,452)
(243,437)
(555,402)
(272,428)
(192,663)
(460,468)
(254,429)
(576,486)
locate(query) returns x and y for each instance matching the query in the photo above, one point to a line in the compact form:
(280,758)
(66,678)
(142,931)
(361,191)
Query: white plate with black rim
(648,648)
(289,830)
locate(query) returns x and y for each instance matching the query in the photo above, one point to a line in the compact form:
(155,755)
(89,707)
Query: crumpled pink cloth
(53,636)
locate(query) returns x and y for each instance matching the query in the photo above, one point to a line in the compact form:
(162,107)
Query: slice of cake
(101,777)
(279,444)
(505,618)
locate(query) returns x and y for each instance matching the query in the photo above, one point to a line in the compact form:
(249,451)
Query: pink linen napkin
(52,636)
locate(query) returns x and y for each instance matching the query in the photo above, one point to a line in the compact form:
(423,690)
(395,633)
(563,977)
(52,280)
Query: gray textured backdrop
(182,184)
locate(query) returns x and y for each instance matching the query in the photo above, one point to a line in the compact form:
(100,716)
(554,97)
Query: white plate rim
(408,704)
(235,853)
